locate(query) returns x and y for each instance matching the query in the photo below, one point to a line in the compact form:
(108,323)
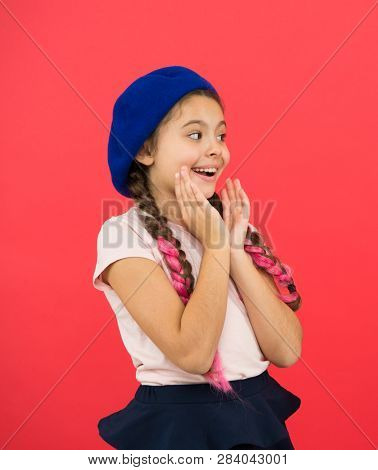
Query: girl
(190,280)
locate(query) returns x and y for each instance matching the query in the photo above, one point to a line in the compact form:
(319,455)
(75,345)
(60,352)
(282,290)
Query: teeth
(206,170)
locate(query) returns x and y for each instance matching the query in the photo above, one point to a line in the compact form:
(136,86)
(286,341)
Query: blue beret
(138,111)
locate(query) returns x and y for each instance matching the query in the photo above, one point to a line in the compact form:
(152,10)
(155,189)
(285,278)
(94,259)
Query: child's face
(193,145)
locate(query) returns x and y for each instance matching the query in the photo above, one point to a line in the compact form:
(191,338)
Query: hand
(200,217)
(236,212)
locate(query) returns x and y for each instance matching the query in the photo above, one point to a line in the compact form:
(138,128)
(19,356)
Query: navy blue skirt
(195,416)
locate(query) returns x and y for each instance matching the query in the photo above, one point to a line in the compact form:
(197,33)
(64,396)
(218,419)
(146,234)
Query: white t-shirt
(125,236)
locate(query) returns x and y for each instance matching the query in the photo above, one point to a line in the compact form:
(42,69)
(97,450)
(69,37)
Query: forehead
(201,108)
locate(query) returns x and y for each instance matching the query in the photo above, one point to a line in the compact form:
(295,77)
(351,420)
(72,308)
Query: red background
(299,80)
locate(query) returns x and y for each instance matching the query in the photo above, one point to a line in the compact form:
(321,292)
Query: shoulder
(126,228)
(120,237)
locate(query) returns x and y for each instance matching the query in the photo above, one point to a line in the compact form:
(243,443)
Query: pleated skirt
(195,416)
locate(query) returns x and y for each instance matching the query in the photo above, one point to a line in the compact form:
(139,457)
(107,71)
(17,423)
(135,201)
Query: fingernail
(176,175)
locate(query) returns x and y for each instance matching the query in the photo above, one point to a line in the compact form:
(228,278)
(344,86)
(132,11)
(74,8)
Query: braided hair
(182,278)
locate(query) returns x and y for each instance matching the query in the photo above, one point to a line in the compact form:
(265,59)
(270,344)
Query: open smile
(205,176)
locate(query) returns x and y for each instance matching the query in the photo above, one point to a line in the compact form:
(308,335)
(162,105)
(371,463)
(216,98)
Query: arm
(187,334)
(203,318)
(277,328)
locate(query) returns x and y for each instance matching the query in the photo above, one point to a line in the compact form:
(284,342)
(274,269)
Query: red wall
(299,80)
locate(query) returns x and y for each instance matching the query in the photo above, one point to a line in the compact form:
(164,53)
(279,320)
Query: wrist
(217,249)
(237,250)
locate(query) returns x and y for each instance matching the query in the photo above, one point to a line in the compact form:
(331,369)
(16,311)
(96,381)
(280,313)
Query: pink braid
(284,278)
(215,375)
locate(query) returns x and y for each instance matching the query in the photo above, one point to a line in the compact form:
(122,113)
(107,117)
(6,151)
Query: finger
(245,202)
(188,187)
(202,201)
(193,204)
(225,198)
(179,195)
(189,199)
(231,190)
(183,192)
(226,208)
(236,202)
(237,193)
(231,195)
(244,197)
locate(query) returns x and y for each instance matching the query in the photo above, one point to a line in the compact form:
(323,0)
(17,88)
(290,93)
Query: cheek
(227,157)
(189,160)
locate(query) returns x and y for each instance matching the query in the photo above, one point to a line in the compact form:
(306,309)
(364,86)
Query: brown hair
(181,269)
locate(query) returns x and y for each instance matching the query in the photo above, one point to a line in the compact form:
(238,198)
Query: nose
(215,148)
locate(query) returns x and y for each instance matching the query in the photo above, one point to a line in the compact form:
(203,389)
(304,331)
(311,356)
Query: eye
(193,133)
(200,133)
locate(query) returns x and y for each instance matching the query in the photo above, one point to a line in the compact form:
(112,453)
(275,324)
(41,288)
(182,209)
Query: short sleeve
(116,240)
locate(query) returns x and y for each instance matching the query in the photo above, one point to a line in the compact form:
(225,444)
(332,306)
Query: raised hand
(236,212)
(200,217)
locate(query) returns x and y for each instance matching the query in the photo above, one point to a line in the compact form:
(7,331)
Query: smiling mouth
(206,176)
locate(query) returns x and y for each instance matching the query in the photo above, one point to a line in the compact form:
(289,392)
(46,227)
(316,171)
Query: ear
(144,157)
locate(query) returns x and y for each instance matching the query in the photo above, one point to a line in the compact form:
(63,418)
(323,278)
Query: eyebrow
(199,121)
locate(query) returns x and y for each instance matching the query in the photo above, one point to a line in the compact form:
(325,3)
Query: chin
(208,193)
(207,189)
